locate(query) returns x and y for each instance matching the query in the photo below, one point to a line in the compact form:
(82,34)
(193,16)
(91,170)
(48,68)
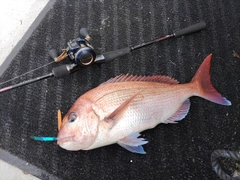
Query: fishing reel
(79,50)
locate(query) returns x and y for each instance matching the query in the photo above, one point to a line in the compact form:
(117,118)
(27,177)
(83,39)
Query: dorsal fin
(154,78)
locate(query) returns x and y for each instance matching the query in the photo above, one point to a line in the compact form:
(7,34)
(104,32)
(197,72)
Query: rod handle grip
(84,33)
(63,70)
(191,29)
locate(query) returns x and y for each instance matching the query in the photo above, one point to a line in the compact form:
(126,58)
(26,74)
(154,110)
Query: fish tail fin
(204,85)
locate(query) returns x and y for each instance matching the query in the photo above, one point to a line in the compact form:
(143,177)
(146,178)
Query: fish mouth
(68,143)
(63,140)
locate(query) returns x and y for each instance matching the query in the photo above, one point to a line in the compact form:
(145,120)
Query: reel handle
(53,54)
(84,33)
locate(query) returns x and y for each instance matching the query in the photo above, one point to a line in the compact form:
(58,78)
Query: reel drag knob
(85,56)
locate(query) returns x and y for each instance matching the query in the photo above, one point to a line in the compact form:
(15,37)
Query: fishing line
(27,73)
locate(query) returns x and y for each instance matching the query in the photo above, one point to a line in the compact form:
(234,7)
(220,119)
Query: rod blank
(26,82)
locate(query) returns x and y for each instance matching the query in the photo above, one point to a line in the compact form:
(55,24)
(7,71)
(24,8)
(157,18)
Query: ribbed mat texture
(175,151)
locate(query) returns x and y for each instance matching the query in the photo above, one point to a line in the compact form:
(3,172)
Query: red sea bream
(118,110)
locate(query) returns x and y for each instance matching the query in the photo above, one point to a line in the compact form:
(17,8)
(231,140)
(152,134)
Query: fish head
(79,127)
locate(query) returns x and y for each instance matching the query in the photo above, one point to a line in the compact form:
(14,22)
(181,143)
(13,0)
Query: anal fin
(181,113)
(133,144)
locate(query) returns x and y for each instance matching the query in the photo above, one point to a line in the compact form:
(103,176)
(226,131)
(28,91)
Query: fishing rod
(81,53)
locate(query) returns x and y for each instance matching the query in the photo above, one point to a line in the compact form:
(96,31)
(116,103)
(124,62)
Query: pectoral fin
(133,143)
(113,118)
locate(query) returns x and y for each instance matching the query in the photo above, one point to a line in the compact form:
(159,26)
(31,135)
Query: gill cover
(79,127)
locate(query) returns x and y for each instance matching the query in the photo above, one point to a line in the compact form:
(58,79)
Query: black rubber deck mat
(174,151)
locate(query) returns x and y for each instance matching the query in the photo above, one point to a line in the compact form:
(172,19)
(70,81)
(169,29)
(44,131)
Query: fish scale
(136,119)
(146,89)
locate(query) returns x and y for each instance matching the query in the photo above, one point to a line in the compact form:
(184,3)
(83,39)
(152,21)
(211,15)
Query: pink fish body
(119,109)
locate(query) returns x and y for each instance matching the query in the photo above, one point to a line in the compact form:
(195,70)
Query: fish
(118,110)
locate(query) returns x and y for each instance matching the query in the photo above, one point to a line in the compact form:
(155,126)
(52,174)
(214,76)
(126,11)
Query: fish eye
(72,117)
